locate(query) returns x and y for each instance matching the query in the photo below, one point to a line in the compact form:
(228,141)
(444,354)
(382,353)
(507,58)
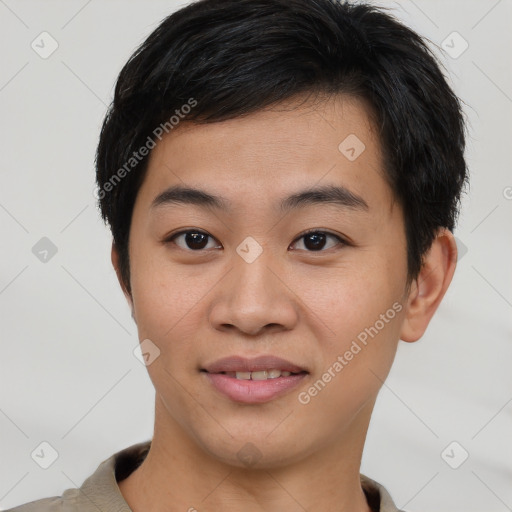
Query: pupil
(318,240)
(194,240)
(314,241)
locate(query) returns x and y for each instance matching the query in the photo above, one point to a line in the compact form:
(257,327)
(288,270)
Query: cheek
(356,359)
(361,313)
(348,300)
(167,308)
(165,297)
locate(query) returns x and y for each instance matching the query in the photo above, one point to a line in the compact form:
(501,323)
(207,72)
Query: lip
(253,391)
(244,364)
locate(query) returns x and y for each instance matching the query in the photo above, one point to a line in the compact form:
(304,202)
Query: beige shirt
(100,491)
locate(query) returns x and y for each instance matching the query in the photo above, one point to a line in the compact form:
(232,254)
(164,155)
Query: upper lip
(244,364)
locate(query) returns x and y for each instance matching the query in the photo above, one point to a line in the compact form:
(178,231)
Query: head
(295,114)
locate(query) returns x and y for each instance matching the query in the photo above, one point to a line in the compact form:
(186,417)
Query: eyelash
(341,241)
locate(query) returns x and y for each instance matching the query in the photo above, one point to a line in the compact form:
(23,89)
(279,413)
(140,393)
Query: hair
(229,58)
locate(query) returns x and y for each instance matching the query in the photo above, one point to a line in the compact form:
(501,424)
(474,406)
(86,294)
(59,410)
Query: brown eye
(191,240)
(316,241)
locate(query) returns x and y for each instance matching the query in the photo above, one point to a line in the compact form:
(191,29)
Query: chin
(251,451)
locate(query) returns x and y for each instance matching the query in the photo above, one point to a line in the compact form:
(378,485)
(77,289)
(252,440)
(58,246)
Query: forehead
(266,155)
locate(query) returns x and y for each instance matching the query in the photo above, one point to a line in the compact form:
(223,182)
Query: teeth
(260,375)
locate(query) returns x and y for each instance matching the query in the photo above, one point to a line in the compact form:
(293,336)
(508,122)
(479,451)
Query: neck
(178,475)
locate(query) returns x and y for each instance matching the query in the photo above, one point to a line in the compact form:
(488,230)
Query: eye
(315,241)
(196,240)
(193,240)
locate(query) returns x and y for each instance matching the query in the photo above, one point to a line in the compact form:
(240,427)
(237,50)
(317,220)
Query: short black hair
(215,60)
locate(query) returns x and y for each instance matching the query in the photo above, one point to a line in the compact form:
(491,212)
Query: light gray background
(68,372)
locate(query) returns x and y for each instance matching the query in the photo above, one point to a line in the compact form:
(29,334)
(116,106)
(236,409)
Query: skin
(302,305)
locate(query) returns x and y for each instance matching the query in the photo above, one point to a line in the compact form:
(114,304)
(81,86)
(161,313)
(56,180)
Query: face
(249,285)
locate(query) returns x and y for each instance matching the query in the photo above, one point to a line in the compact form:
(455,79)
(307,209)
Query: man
(281,178)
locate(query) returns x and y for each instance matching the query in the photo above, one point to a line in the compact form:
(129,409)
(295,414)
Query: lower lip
(253,391)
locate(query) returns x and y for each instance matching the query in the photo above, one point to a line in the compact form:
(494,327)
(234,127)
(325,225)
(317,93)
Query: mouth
(255,380)
(273,373)
(267,363)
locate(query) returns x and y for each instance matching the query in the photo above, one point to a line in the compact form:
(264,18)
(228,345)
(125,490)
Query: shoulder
(70,501)
(53,504)
(99,491)
(377,496)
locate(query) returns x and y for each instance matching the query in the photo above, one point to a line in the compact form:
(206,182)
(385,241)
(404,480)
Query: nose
(254,298)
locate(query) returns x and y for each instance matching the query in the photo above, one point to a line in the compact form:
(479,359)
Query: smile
(260,375)
(253,381)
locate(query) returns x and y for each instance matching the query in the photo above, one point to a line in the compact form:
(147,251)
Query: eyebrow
(328,194)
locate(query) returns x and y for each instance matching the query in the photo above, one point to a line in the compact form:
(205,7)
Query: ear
(114,256)
(429,287)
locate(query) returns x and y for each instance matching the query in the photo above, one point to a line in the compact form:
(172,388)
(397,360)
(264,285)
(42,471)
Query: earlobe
(114,256)
(430,286)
